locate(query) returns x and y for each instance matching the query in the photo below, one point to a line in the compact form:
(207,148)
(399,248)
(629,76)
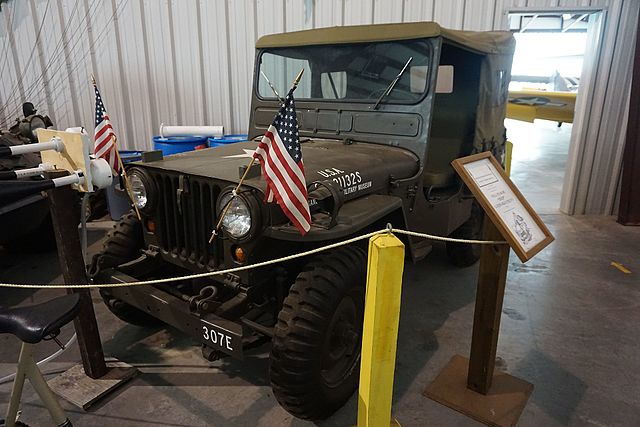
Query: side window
(334,84)
(418,78)
(501,91)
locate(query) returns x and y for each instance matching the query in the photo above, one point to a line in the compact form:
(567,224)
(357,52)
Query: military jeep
(374,153)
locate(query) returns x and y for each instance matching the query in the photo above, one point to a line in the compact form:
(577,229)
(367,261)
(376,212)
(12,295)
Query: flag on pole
(280,157)
(104,136)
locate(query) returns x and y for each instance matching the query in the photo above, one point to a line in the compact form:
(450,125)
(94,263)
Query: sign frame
(491,211)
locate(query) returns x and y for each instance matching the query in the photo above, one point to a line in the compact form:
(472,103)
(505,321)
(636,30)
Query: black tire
(122,244)
(467,254)
(324,310)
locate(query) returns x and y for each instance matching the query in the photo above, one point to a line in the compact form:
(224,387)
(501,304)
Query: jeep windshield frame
(350,73)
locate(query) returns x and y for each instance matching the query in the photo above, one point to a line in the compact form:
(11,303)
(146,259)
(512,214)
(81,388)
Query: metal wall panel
(191,62)
(358,12)
(479,16)
(386,11)
(328,13)
(450,13)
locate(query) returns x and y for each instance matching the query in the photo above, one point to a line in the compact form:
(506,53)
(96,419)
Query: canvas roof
(489,42)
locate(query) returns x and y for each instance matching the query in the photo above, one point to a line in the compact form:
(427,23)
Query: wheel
(467,254)
(122,244)
(315,355)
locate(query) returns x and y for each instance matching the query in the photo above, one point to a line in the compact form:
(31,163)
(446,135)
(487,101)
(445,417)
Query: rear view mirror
(444,82)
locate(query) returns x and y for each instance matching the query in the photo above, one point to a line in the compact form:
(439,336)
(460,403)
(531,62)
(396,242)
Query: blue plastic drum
(178,144)
(227,139)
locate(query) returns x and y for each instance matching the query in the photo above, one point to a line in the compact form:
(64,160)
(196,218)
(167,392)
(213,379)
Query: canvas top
(488,42)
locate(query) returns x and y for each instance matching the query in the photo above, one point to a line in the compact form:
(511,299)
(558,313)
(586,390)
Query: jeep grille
(184,226)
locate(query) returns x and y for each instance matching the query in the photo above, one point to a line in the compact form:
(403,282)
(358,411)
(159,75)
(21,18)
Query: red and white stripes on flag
(104,136)
(280,156)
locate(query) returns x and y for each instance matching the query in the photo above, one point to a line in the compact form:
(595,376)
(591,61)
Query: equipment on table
(63,150)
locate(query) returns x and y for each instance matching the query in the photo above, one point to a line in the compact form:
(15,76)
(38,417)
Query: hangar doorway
(551,69)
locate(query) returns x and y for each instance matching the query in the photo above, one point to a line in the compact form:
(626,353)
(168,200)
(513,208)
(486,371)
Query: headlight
(237,220)
(139,190)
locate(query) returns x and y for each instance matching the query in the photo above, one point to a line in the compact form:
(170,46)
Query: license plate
(220,338)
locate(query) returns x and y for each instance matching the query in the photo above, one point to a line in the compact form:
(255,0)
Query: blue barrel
(130,156)
(178,144)
(227,139)
(118,201)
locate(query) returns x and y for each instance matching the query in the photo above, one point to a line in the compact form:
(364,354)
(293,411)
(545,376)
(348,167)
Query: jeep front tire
(315,355)
(122,244)
(467,254)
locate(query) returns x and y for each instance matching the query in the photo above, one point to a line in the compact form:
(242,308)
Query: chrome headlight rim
(253,208)
(148,186)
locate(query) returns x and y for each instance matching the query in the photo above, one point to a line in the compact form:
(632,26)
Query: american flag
(104,145)
(280,156)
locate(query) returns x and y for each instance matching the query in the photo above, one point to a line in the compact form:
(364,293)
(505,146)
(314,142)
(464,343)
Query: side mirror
(444,81)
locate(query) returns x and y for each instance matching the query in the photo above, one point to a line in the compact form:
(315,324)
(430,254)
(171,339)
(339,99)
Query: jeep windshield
(348,72)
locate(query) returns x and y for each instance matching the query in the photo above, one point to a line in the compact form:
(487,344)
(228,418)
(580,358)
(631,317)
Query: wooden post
(380,331)
(492,278)
(65,218)
(629,207)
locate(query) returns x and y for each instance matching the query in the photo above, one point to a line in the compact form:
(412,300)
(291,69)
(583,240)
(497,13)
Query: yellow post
(380,331)
(508,157)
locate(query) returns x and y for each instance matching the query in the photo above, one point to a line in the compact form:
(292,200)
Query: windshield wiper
(392,84)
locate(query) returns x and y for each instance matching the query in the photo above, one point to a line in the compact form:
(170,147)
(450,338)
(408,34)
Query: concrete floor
(538,163)
(569,326)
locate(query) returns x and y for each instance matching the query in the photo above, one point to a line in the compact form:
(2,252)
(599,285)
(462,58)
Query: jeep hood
(359,168)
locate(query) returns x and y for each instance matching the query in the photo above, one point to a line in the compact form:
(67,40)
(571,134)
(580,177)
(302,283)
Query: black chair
(32,324)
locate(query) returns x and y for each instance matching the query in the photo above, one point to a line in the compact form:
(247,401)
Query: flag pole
(127,184)
(234,193)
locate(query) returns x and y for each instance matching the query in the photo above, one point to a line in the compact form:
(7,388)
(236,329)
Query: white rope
(251,266)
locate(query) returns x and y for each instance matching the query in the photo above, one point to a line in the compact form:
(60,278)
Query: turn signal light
(151,226)
(239,255)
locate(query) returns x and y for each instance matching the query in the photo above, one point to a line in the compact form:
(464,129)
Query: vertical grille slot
(185,230)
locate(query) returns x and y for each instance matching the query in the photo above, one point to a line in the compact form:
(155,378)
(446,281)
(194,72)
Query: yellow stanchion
(380,331)
(508,157)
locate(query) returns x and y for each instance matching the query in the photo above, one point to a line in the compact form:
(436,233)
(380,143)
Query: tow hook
(203,302)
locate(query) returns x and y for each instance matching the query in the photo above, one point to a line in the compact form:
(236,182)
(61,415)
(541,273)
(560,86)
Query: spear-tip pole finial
(298,77)
(93,80)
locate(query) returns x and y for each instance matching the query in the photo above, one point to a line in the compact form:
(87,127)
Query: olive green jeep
(374,152)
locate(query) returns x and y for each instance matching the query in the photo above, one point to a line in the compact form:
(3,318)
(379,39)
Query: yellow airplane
(528,105)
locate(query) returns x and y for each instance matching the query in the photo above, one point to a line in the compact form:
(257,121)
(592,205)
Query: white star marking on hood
(247,154)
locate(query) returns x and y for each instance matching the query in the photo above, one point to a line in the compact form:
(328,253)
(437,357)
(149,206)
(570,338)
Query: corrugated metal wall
(191,61)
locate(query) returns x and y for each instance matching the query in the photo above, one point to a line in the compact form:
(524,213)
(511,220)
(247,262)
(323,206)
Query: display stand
(470,385)
(83,384)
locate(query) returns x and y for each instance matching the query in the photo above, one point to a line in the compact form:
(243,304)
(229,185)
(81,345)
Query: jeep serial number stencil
(349,182)
(507,205)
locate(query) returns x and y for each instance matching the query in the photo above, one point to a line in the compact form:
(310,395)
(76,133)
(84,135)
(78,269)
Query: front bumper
(212,331)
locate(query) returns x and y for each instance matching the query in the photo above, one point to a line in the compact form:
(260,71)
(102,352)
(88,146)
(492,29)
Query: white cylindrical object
(101,173)
(77,129)
(215,131)
(74,178)
(54,144)
(25,173)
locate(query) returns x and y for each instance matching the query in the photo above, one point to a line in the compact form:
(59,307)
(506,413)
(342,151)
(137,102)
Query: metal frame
(27,369)
(572,191)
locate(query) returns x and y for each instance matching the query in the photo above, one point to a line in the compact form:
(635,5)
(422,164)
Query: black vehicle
(374,153)
(26,223)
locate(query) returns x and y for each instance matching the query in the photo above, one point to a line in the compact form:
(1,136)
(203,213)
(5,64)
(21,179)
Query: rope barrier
(251,266)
